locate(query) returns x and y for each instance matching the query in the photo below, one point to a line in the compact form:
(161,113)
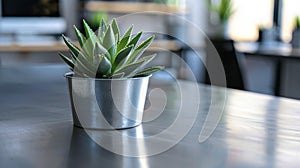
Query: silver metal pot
(107,103)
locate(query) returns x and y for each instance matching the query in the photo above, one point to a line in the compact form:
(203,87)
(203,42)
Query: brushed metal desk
(36,127)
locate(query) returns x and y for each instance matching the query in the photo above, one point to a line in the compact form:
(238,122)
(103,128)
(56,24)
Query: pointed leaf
(80,37)
(74,58)
(119,75)
(148,71)
(80,56)
(140,49)
(130,69)
(147,59)
(124,40)
(104,67)
(71,46)
(135,39)
(85,69)
(67,60)
(122,56)
(82,65)
(115,28)
(90,34)
(109,42)
(88,49)
(135,66)
(100,50)
(83,60)
(102,29)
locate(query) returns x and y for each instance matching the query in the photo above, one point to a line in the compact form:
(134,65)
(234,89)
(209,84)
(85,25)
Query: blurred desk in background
(278,52)
(274,49)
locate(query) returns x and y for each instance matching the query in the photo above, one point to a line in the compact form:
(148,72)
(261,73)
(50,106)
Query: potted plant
(222,12)
(296,33)
(266,34)
(109,80)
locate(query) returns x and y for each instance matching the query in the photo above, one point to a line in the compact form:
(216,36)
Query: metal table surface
(254,130)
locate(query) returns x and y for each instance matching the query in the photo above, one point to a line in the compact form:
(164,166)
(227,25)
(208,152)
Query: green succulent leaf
(146,59)
(104,67)
(107,54)
(79,73)
(102,29)
(115,27)
(75,58)
(130,69)
(109,41)
(80,37)
(82,65)
(84,68)
(148,71)
(67,60)
(140,49)
(71,46)
(100,50)
(125,39)
(88,50)
(90,33)
(122,56)
(135,39)
(119,75)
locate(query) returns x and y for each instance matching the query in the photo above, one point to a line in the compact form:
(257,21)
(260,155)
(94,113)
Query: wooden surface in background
(158,45)
(132,7)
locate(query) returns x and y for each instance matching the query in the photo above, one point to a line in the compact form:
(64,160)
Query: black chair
(231,64)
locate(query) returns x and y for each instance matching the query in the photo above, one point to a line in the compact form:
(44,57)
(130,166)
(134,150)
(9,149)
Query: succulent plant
(107,54)
(224,10)
(297,22)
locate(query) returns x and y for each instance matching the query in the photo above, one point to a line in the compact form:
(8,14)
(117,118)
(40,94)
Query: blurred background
(258,40)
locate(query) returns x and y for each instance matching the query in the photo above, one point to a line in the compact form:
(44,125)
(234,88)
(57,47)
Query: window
(248,16)
(290,9)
